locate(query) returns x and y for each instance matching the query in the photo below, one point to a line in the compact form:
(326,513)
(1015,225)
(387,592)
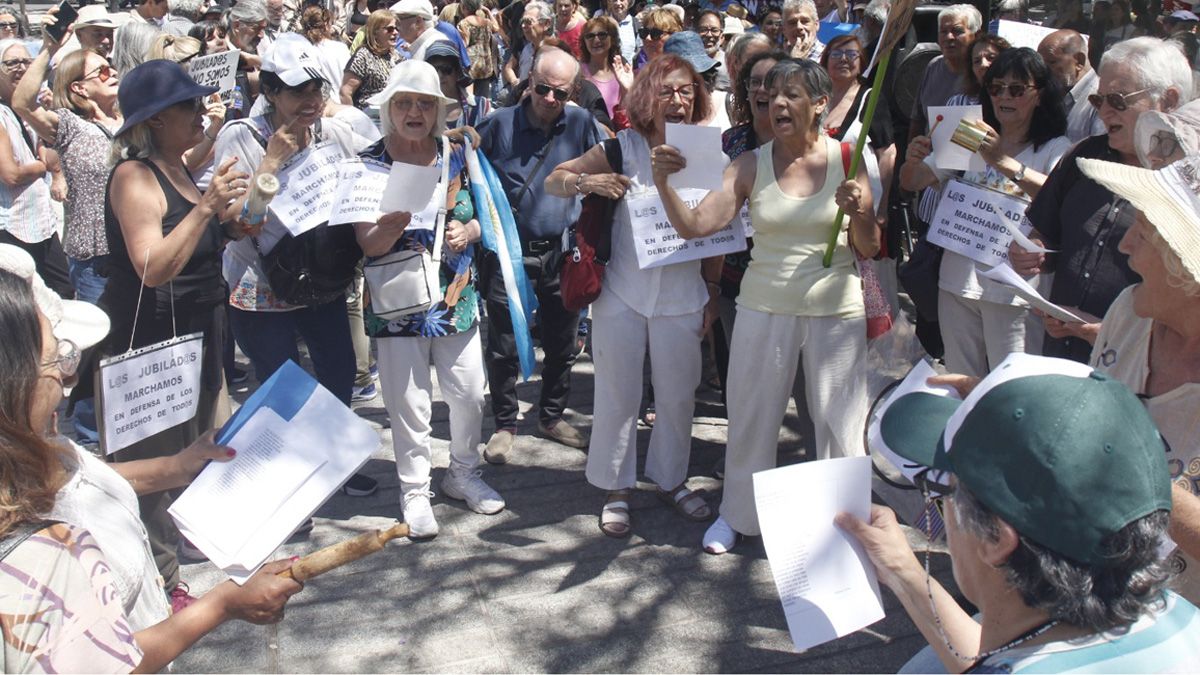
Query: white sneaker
(467,485)
(720,537)
(418,514)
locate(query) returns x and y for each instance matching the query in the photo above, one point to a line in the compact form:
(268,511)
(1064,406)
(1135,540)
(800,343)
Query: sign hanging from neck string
(151,389)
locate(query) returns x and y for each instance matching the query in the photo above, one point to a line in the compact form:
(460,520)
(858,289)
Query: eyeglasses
(560,95)
(102,72)
(1118,102)
(711,30)
(444,68)
(1015,90)
(8,25)
(652,33)
(1163,144)
(13,64)
(687,92)
(753,83)
(598,36)
(528,22)
(191,104)
(67,359)
(390,29)
(406,104)
(847,54)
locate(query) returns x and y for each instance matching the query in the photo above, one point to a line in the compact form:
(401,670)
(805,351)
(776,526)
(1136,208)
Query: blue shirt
(514,144)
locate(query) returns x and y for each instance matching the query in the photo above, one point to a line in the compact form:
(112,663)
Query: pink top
(610,90)
(571,36)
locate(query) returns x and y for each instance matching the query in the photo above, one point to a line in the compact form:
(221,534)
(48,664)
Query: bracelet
(713,284)
(579,183)
(211,138)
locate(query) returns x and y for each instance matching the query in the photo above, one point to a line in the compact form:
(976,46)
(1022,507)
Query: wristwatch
(1020,174)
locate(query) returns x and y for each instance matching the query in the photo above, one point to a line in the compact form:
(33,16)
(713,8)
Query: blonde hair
(1178,276)
(375,21)
(135,143)
(177,48)
(663,19)
(69,71)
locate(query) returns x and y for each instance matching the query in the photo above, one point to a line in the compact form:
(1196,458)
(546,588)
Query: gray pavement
(538,588)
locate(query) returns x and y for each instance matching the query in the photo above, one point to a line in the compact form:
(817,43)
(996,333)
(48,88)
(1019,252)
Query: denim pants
(269,340)
(89,286)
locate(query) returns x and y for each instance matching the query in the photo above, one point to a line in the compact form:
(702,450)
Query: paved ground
(537,588)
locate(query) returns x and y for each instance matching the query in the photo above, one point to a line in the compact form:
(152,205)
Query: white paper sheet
(947,154)
(914,382)
(1026,243)
(701,148)
(824,578)
(360,189)
(409,187)
(1009,277)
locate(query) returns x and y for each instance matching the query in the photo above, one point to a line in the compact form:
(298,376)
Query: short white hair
(967,13)
(877,10)
(545,12)
(798,6)
(1157,65)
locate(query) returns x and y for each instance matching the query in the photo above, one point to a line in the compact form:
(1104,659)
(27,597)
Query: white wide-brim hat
(1169,198)
(82,323)
(414,77)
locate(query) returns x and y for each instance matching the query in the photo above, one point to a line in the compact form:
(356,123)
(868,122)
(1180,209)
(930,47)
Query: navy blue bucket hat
(152,87)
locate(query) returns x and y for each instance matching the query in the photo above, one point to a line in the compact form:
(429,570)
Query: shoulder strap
(846,159)
(612,151)
(439,228)
(21,126)
(541,160)
(20,533)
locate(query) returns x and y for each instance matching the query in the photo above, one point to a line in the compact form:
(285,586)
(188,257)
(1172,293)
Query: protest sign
(359,191)
(307,188)
(149,390)
(1021,34)
(216,70)
(976,222)
(658,244)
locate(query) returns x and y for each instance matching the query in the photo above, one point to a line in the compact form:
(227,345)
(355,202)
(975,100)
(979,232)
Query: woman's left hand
(194,457)
(457,236)
(214,110)
(989,148)
(461,133)
(227,185)
(1057,328)
(849,197)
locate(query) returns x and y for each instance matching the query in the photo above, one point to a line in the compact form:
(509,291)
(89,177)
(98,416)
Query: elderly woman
(90,579)
(1083,221)
(790,305)
(659,311)
(983,321)
(131,43)
(367,72)
(658,24)
(12,23)
(413,116)
(537,23)
(601,62)
(164,272)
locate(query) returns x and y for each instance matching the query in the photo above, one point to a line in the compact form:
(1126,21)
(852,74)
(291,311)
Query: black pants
(558,329)
(50,260)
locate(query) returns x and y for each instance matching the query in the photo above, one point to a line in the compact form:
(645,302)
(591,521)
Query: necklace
(1023,637)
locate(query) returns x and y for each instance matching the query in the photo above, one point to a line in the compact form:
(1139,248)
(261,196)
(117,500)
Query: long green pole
(872,101)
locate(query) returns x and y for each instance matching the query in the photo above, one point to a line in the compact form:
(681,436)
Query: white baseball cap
(293,59)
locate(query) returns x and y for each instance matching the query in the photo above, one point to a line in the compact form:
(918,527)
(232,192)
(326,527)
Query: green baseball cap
(1064,454)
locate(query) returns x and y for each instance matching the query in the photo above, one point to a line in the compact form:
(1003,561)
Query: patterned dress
(373,70)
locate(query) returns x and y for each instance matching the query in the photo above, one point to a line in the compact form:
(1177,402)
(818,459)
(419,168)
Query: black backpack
(315,267)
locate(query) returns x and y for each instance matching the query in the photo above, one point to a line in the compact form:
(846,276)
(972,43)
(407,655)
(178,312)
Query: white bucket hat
(82,323)
(1169,198)
(421,8)
(412,77)
(1183,123)
(94,15)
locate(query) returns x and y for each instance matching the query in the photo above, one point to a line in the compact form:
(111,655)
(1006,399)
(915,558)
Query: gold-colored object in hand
(968,134)
(332,557)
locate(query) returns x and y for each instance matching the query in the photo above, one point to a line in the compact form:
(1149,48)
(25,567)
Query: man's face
(410,27)
(532,26)
(547,84)
(245,36)
(275,13)
(955,39)
(96,38)
(709,27)
(800,26)
(1065,68)
(618,8)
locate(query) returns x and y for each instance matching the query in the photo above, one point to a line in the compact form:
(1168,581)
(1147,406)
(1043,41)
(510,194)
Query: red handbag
(879,312)
(588,243)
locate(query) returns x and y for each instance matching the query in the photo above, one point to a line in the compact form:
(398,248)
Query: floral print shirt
(457,269)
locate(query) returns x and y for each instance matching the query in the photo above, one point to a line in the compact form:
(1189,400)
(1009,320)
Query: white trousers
(762,366)
(405,375)
(619,344)
(978,334)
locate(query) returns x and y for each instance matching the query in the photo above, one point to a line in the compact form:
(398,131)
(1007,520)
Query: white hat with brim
(421,8)
(1183,123)
(1169,198)
(82,323)
(293,59)
(413,77)
(94,15)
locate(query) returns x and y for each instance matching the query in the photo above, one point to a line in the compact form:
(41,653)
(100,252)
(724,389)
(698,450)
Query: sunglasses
(12,64)
(8,25)
(1014,90)
(102,73)
(560,95)
(191,104)
(847,54)
(444,68)
(528,22)
(405,104)
(651,33)
(598,36)
(1118,102)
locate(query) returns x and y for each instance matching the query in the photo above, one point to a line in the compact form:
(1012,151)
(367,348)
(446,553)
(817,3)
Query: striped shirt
(25,210)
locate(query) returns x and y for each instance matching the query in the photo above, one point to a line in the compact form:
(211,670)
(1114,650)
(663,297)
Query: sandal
(614,517)
(688,503)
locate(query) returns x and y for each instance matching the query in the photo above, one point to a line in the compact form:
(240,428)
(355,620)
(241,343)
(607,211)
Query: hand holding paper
(701,149)
(1007,276)
(946,153)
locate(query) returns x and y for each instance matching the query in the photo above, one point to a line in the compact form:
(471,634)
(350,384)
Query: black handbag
(313,268)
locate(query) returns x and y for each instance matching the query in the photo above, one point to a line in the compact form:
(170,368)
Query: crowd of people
(128,218)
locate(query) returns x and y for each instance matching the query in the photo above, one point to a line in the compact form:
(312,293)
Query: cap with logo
(293,59)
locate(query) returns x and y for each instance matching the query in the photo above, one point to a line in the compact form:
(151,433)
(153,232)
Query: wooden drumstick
(332,557)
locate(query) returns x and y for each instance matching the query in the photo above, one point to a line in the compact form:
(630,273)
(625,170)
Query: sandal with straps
(614,517)
(688,503)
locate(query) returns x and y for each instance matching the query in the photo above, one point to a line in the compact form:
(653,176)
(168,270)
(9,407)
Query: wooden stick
(332,557)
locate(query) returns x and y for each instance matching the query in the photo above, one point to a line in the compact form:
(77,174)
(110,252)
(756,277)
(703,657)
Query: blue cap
(688,46)
(152,87)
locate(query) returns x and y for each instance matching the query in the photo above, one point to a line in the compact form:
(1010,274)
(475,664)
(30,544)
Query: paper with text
(701,149)
(307,188)
(1009,277)
(656,241)
(360,187)
(409,187)
(824,578)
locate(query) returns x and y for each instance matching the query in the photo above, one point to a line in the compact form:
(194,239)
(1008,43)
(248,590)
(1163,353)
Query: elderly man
(94,30)
(627,28)
(525,142)
(1083,221)
(800,30)
(1065,54)
(1057,497)
(957,26)
(182,16)
(416,24)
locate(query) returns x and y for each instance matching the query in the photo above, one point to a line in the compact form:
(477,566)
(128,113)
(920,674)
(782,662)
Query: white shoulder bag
(407,282)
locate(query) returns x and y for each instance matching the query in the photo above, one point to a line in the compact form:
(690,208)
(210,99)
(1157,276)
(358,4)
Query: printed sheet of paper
(914,382)
(216,70)
(307,188)
(701,148)
(409,187)
(1009,277)
(947,154)
(659,244)
(824,578)
(150,390)
(976,222)
(360,188)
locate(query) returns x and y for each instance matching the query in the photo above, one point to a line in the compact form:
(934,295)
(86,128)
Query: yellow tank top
(785,275)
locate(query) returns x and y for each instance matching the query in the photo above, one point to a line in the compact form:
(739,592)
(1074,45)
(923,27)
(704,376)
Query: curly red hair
(642,102)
